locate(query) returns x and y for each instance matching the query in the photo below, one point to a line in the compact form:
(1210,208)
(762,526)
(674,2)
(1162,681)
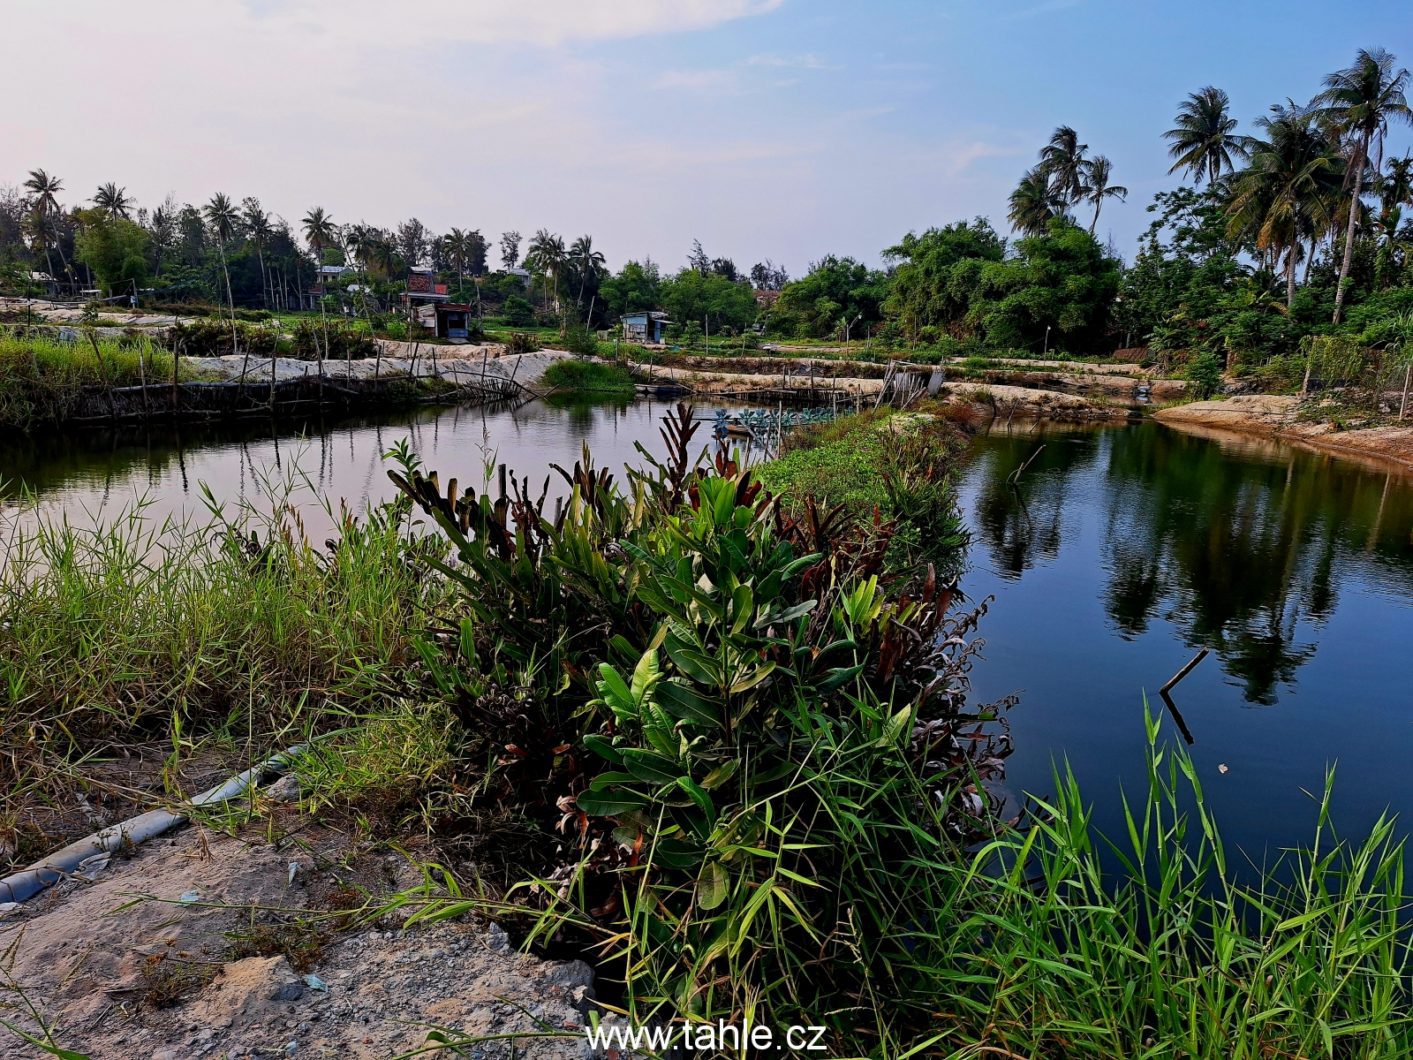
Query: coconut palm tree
(320,231)
(1062,161)
(586,262)
(256,223)
(1361,100)
(1281,198)
(221,217)
(546,255)
(1035,203)
(1395,187)
(113,201)
(1097,187)
(44,205)
(1204,140)
(456,246)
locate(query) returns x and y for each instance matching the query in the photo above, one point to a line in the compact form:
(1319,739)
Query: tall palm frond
(1204,140)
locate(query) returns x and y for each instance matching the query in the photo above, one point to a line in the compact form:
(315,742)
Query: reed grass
(133,627)
(45,380)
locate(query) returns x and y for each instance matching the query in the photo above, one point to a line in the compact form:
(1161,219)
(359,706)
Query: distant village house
(646,327)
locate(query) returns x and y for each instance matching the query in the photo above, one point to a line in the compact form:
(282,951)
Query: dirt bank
(456,364)
(206,945)
(1275,416)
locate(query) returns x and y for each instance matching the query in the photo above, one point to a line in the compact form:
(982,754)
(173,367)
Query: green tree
(113,201)
(1204,140)
(44,191)
(587,264)
(546,256)
(636,286)
(1281,197)
(1063,161)
(1061,282)
(836,295)
(713,302)
(936,277)
(319,230)
(114,248)
(1361,100)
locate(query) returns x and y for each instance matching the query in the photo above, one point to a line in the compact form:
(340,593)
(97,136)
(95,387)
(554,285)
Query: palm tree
(320,231)
(257,226)
(1396,184)
(113,201)
(586,261)
(221,215)
(1361,100)
(546,255)
(1035,203)
(456,245)
(1281,198)
(44,203)
(1097,187)
(1204,139)
(1062,161)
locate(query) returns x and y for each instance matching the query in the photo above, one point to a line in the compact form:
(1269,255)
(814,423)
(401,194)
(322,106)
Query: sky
(780,129)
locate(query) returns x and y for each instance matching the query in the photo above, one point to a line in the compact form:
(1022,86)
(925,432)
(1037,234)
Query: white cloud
(809,61)
(714,81)
(539,22)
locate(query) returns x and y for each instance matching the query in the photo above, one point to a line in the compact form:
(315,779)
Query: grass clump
(43,379)
(589,377)
(119,632)
(1064,943)
(896,464)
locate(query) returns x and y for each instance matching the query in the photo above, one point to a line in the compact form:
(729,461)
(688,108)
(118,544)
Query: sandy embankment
(993,398)
(456,364)
(1275,416)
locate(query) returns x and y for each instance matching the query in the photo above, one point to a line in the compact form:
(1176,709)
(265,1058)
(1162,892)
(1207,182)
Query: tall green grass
(43,380)
(572,374)
(125,630)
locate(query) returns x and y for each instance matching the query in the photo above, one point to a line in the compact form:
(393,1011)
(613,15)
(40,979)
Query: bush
(589,376)
(896,463)
(212,337)
(758,755)
(579,339)
(314,339)
(521,342)
(517,312)
(1204,373)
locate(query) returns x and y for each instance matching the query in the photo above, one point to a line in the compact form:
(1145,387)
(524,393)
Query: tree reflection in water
(1235,544)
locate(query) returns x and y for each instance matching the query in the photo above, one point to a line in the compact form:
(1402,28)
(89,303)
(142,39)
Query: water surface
(1120,553)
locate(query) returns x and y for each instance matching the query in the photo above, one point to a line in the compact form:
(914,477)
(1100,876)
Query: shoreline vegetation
(758,788)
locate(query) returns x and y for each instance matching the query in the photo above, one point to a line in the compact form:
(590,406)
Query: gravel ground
(173,952)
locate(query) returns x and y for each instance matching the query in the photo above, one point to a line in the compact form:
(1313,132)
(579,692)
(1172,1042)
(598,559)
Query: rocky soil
(202,944)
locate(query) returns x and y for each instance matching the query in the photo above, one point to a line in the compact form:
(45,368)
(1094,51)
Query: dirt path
(1275,416)
(204,945)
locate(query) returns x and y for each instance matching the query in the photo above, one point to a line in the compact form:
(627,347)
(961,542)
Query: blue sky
(767,128)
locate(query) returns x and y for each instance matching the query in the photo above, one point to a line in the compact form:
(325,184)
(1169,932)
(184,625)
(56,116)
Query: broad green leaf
(713,885)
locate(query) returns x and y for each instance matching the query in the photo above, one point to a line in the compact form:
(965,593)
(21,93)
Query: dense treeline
(1291,230)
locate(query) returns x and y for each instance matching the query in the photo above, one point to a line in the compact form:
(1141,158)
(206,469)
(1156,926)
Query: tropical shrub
(517,312)
(756,752)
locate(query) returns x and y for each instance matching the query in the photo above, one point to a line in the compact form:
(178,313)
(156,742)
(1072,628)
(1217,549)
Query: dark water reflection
(1121,552)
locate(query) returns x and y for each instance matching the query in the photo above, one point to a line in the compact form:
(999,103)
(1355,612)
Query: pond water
(1120,553)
